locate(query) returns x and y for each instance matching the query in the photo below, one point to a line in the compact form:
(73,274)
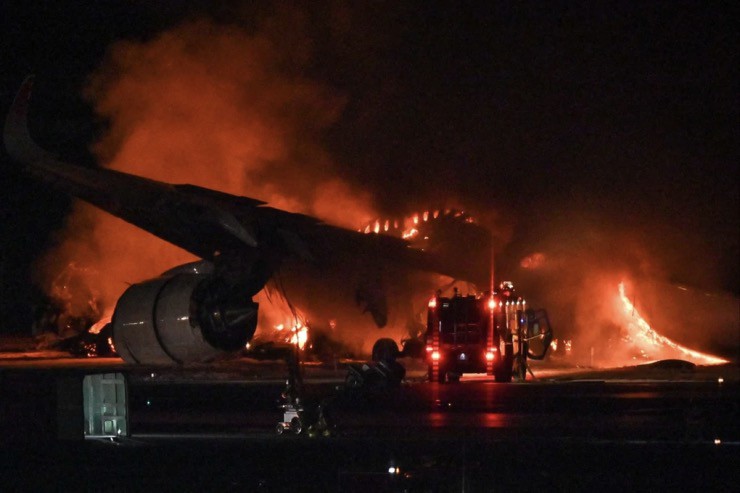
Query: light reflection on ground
(416,370)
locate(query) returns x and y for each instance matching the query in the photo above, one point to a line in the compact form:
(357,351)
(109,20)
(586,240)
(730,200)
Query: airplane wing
(244,239)
(184,215)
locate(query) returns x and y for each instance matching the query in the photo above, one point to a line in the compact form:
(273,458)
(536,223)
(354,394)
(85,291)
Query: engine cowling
(181,318)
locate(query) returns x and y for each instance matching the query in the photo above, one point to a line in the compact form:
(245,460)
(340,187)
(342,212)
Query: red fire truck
(492,334)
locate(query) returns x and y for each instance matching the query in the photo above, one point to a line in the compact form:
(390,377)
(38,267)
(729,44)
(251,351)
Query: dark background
(624,113)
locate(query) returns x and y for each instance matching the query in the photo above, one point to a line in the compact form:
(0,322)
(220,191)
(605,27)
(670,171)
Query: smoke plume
(208,104)
(231,108)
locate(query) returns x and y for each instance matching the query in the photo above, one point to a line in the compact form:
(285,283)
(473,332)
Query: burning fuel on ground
(641,335)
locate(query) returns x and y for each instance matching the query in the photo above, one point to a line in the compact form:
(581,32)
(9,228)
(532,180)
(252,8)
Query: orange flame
(412,223)
(219,111)
(411,233)
(641,334)
(98,326)
(297,334)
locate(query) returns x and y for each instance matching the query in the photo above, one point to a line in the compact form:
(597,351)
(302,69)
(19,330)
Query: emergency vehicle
(492,334)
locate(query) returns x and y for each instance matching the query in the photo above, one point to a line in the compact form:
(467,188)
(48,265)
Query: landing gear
(385,349)
(299,417)
(384,374)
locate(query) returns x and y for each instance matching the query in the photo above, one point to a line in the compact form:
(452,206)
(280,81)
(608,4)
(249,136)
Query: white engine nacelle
(179,319)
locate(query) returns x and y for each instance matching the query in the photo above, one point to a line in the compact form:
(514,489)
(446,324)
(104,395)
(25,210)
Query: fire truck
(490,333)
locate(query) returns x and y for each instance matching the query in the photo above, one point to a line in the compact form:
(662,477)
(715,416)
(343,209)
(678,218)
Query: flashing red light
(491,304)
(433,303)
(490,356)
(436,356)
(429,349)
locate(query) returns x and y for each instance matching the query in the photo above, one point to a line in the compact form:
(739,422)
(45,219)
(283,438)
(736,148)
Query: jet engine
(181,317)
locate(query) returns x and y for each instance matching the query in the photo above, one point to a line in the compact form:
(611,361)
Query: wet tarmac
(203,431)
(591,410)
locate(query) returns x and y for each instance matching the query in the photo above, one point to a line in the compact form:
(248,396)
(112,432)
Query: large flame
(642,335)
(207,104)
(408,227)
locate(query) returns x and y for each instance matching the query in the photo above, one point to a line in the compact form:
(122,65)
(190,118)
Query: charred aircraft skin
(195,313)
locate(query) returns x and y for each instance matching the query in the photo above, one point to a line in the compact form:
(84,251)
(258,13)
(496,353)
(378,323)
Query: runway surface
(647,428)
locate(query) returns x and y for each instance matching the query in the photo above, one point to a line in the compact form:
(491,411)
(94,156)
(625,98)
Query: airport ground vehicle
(492,334)
(291,420)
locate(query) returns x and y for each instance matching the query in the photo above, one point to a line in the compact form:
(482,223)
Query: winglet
(16,136)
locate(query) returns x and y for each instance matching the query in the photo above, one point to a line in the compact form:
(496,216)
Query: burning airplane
(200,310)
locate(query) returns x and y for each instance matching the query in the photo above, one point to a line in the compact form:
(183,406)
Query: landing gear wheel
(280,428)
(385,349)
(296,425)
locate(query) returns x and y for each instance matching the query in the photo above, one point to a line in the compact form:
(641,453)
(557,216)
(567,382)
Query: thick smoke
(574,267)
(232,109)
(211,105)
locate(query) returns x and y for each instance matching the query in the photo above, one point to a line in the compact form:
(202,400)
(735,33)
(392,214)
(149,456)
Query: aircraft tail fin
(16,135)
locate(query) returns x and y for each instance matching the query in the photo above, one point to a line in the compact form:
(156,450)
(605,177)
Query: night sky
(565,118)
